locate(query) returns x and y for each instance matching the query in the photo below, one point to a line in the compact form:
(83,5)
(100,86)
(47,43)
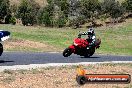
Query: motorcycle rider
(91,37)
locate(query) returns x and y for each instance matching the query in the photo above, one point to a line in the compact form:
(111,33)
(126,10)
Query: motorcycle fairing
(4,35)
(82,43)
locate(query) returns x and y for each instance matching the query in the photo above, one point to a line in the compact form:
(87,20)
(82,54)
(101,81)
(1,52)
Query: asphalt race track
(25,58)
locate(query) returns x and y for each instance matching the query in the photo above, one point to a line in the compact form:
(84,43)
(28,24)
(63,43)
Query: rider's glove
(79,35)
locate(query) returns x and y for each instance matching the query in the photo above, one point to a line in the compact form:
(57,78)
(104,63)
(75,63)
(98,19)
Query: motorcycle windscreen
(4,35)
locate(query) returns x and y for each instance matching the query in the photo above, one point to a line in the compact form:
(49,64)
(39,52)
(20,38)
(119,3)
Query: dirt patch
(19,44)
(61,77)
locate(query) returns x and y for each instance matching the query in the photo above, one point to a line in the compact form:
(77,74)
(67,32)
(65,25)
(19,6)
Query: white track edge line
(33,66)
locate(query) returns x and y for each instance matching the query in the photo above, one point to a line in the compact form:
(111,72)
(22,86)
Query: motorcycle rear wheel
(67,52)
(90,52)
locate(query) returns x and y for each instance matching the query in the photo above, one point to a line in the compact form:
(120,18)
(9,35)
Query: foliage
(54,14)
(83,10)
(75,23)
(117,10)
(59,13)
(89,7)
(4,8)
(27,11)
(45,15)
(14,9)
(10,17)
(112,8)
(128,5)
(61,20)
(12,20)
(63,6)
(7,18)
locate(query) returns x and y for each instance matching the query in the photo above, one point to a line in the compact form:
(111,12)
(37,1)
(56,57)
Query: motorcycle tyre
(92,51)
(1,49)
(67,52)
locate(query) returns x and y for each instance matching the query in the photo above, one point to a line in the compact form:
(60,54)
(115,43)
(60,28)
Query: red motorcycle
(79,47)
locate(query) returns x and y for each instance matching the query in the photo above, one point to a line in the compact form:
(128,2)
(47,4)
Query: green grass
(114,40)
(117,41)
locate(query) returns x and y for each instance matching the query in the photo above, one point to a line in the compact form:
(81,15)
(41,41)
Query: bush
(107,5)
(63,6)
(112,8)
(54,14)
(128,5)
(45,15)
(89,7)
(4,8)
(103,17)
(14,9)
(46,19)
(7,18)
(12,20)
(61,21)
(117,10)
(27,11)
(75,23)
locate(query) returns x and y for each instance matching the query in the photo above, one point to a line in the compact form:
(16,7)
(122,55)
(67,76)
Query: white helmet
(90,31)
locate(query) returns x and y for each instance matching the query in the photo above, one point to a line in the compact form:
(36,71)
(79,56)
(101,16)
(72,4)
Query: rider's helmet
(90,31)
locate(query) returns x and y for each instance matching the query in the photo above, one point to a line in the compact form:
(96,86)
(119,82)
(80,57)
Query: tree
(54,14)
(45,15)
(89,8)
(107,5)
(61,20)
(7,18)
(112,8)
(117,10)
(74,9)
(27,11)
(128,5)
(13,9)
(4,8)
(61,10)
(63,6)
(74,15)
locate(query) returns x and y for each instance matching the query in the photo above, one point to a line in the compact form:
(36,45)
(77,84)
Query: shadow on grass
(3,61)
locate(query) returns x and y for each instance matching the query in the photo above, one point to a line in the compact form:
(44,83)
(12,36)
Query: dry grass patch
(62,77)
(26,45)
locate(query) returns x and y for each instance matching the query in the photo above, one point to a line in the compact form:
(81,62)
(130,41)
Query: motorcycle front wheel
(67,52)
(1,49)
